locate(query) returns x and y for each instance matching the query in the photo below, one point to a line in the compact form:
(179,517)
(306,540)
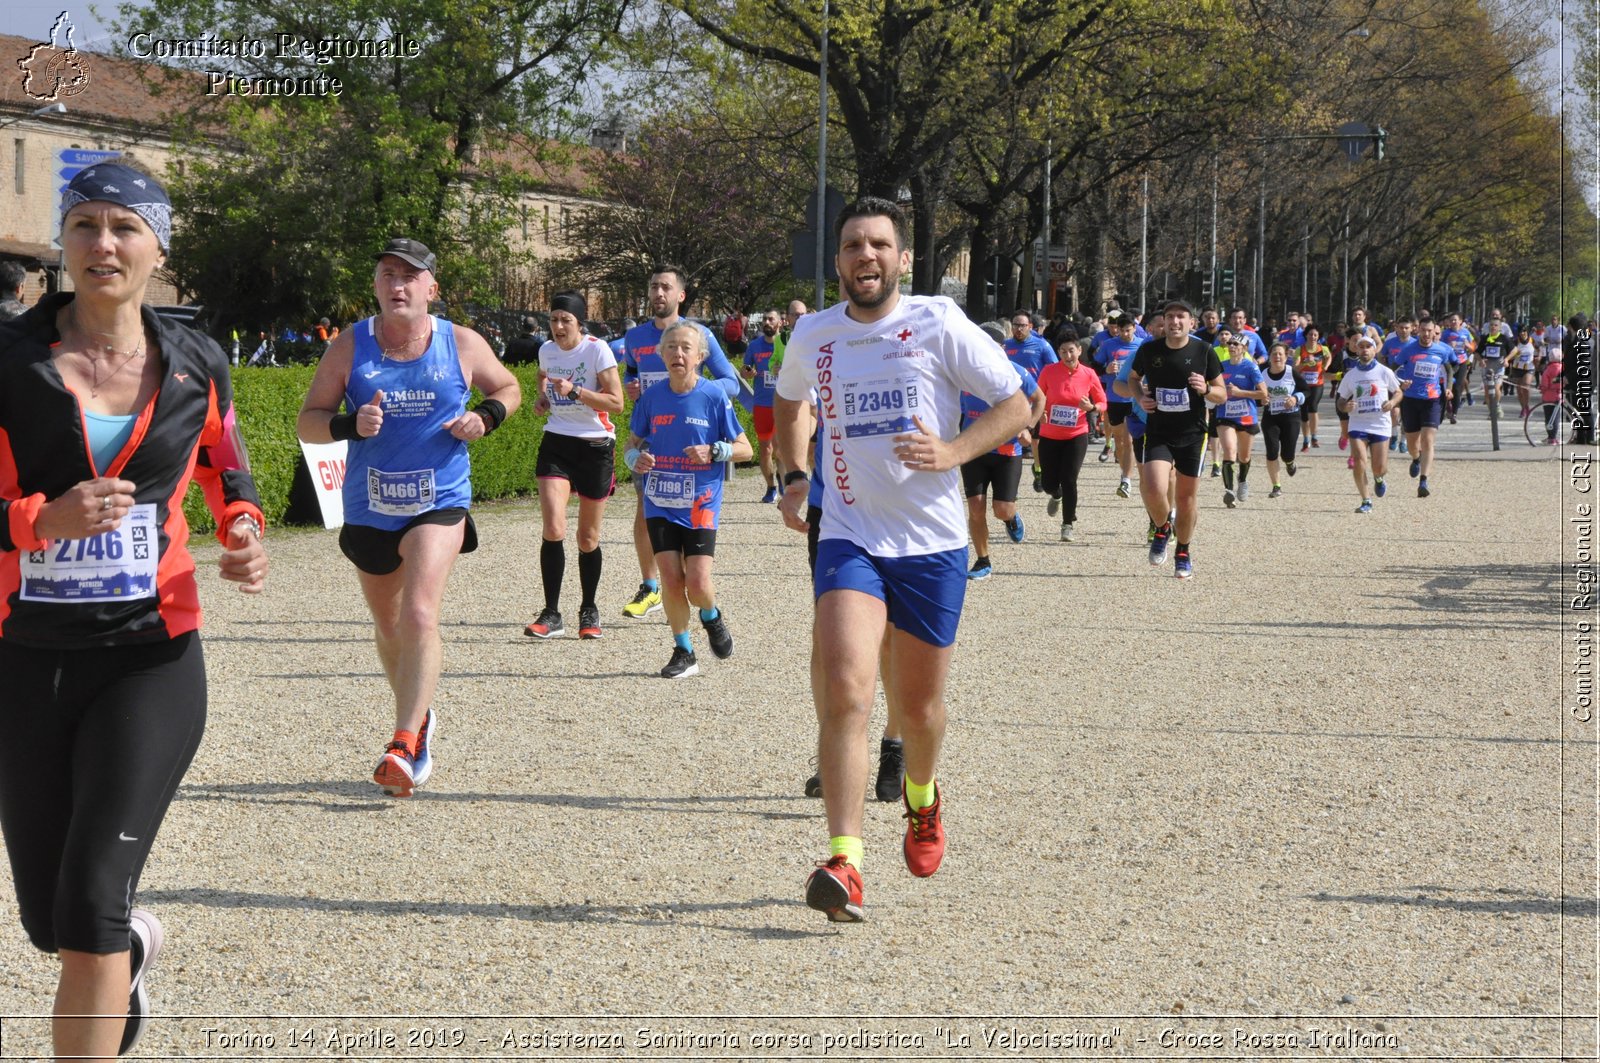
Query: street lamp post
(37,112)
(1144,245)
(822,162)
(1261,243)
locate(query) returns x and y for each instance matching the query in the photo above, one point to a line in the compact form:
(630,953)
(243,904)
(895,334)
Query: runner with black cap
(404,377)
(1174,377)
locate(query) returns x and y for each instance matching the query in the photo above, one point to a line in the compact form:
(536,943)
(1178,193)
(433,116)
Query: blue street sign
(75,160)
(82,157)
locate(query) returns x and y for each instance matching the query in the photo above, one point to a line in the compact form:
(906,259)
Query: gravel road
(1310,802)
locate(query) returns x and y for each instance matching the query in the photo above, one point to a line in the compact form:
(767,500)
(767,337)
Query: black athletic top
(1180,413)
(102,591)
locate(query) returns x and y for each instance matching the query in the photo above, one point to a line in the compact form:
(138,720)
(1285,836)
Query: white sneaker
(1068,534)
(422,766)
(145,937)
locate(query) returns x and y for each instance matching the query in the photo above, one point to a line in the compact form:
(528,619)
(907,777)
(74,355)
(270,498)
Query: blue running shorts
(924,593)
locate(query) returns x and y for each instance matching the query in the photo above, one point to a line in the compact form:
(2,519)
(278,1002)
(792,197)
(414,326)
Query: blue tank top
(107,434)
(413,465)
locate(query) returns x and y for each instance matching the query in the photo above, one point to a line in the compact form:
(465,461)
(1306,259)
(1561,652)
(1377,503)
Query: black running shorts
(996,470)
(377,552)
(1185,457)
(589,465)
(670,537)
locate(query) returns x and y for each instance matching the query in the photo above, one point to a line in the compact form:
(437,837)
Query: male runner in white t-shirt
(889,371)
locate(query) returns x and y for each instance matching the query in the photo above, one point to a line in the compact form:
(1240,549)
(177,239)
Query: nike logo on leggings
(123,837)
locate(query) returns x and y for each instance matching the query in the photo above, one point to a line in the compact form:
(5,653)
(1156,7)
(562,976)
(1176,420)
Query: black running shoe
(548,625)
(891,766)
(589,622)
(720,637)
(681,666)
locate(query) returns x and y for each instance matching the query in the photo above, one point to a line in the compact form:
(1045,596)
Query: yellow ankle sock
(920,795)
(847,846)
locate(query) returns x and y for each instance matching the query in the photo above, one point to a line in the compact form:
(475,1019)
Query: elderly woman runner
(106,413)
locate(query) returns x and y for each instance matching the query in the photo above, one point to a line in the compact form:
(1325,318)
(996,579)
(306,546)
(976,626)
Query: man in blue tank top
(404,378)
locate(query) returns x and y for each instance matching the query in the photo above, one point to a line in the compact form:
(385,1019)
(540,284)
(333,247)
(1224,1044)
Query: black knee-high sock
(1244,471)
(589,574)
(1227,475)
(552,565)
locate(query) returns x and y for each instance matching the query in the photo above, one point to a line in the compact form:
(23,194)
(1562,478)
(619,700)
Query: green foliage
(695,194)
(280,224)
(267,402)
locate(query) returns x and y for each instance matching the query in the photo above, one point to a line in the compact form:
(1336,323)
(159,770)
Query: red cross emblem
(904,334)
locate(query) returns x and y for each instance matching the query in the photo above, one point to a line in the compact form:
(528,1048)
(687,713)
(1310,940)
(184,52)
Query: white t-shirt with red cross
(871,379)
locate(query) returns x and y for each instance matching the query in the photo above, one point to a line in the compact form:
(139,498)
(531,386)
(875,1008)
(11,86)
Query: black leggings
(1460,381)
(1059,463)
(1281,429)
(95,744)
(1313,399)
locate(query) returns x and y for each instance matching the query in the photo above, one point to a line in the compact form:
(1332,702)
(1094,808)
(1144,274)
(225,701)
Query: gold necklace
(389,352)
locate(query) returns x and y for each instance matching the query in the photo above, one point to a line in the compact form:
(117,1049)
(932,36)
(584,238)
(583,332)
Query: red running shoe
(924,847)
(835,887)
(396,771)
(589,622)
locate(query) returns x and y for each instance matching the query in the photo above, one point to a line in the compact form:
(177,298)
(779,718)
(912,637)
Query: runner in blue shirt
(1112,355)
(1239,325)
(1238,420)
(1031,352)
(405,379)
(1424,370)
(997,474)
(1461,340)
(760,359)
(1293,332)
(1389,355)
(1135,425)
(642,367)
(1027,348)
(690,429)
(1139,332)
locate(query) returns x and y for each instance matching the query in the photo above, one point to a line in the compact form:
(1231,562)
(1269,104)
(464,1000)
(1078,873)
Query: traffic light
(1227,282)
(1379,135)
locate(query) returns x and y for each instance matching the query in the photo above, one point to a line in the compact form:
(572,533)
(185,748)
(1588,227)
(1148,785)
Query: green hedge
(267,401)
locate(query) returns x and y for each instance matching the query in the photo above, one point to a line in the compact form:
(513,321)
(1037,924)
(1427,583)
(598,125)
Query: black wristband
(493,413)
(791,476)
(343,426)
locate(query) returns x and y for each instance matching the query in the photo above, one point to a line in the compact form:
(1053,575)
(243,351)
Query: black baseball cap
(407,250)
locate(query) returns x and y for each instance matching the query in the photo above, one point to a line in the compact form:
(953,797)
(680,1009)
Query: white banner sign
(326,462)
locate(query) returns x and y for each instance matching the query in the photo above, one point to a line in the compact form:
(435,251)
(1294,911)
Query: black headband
(571,303)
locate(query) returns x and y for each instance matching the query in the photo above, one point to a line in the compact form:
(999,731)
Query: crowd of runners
(889,428)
